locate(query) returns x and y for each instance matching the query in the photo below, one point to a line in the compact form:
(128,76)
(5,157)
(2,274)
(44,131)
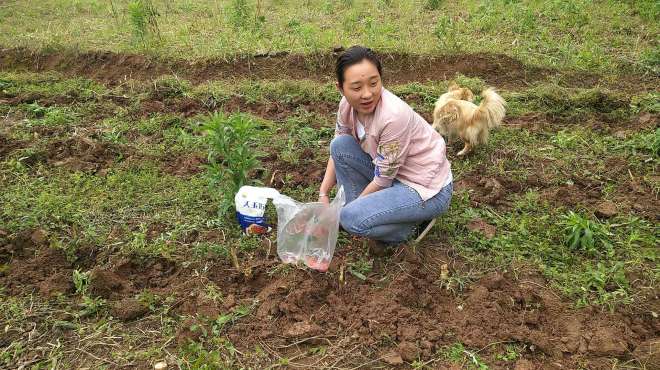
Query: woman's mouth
(366,105)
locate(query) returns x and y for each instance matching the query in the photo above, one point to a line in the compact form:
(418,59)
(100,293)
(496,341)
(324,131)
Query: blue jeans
(389,215)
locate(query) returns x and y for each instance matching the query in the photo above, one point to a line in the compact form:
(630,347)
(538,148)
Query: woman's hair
(354,55)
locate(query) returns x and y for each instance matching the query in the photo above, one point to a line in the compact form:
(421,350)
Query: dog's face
(447,117)
(448,114)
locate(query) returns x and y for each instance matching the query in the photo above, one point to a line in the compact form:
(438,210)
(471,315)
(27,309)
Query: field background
(114,252)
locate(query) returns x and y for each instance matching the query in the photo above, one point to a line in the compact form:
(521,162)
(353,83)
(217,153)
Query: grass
(606,36)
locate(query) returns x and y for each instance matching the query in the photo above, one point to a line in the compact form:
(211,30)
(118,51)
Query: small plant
(80,281)
(35,110)
(47,116)
(446,31)
(149,299)
(143,17)
(646,143)
(433,4)
(88,306)
(241,13)
(198,358)
(457,353)
(170,87)
(231,155)
(566,139)
(586,235)
(229,318)
(510,354)
(360,268)
(608,283)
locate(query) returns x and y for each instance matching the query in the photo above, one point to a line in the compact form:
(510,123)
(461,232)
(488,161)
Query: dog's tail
(492,108)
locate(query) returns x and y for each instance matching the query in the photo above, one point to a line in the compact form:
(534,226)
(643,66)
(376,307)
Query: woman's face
(362,86)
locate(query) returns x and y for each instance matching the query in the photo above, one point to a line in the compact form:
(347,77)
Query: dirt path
(496,69)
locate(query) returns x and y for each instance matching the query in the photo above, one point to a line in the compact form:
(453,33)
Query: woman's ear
(341,91)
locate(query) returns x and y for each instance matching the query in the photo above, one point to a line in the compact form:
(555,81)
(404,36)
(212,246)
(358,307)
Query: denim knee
(350,220)
(342,144)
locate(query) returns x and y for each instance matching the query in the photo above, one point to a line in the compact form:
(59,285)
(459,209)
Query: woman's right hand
(324,199)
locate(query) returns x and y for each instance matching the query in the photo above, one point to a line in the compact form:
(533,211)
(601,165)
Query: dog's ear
(453,86)
(467,94)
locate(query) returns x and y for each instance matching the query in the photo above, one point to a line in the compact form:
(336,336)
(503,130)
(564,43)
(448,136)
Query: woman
(390,161)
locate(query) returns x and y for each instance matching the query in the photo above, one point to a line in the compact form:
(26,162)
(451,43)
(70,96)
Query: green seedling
(585,235)
(80,282)
(232,155)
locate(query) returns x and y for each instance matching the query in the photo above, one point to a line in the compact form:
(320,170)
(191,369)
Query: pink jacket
(402,144)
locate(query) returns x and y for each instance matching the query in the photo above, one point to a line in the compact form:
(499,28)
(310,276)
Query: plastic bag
(305,231)
(308,231)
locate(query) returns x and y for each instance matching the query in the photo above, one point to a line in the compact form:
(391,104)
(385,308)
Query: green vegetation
(232,155)
(605,36)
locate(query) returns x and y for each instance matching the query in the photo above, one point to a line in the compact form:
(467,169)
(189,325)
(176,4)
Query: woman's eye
(356,89)
(373,84)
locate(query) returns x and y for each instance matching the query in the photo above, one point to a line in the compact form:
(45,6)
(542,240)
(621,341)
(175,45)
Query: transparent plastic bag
(305,231)
(308,231)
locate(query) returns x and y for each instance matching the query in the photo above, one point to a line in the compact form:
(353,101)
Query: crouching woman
(390,161)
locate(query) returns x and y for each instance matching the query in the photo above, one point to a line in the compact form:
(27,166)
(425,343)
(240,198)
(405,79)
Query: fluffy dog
(453,116)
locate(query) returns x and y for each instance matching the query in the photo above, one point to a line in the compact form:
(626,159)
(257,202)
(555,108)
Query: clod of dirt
(84,154)
(59,283)
(200,305)
(644,118)
(648,354)
(8,145)
(393,358)
(29,267)
(186,334)
(489,191)
(607,342)
(606,209)
(494,281)
(620,134)
(229,301)
(481,226)
(128,309)
(302,329)
(38,236)
(104,283)
(408,351)
(184,166)
(524,365)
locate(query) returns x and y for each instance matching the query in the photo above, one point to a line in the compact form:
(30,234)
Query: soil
(84,154)
(184,165)
(403,311)
(128,309)
(8,145)
(308,171)
(497,69)
(634,195)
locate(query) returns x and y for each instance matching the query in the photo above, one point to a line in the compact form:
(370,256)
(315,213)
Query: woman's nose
(366,93)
